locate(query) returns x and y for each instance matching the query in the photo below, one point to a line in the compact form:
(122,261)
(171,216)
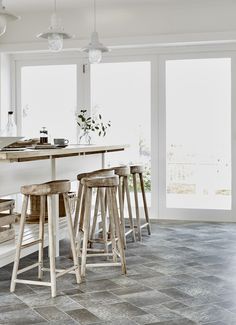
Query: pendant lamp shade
(95,49)
(5,18)
(55,34)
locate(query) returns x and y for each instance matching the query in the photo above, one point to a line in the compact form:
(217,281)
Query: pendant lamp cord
(55,6)
(95,16)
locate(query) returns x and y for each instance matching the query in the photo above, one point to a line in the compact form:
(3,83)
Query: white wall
(164,21)
(5,88)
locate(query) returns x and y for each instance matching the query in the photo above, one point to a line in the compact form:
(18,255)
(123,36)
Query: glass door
(121,93)
(196,140)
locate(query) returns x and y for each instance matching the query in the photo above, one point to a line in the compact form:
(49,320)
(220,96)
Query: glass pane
(198,134)
(121,92)
(49,98)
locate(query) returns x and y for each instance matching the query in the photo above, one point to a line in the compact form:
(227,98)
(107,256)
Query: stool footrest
(95,250)
(32,243)
(129,232)
(70,270)
(27,268)
(63,272)
(98,241)
(99,254)
(144,225)
(38,283)
(103,264)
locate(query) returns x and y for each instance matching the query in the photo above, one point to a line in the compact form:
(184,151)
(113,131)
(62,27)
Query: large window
(49,98)
(121,92)
(198,133)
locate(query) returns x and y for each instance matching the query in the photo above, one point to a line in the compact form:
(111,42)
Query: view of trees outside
(121,92)
(198,146)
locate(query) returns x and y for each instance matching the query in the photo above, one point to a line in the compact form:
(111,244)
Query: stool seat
(49,188)
(95,173)
(122,170)
(101,181)
(137,169)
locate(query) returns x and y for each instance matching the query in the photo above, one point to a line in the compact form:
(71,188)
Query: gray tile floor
(184,274)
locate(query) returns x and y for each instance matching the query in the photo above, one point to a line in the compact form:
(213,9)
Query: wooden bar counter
(30,166)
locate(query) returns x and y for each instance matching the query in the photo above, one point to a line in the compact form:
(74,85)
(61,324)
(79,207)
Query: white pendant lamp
(5,18)
(55,34)
(95,48)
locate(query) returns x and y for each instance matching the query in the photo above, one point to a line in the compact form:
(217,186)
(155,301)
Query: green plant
(92,123)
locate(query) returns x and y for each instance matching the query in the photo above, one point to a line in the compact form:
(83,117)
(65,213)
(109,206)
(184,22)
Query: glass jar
(10,130)
(43,135)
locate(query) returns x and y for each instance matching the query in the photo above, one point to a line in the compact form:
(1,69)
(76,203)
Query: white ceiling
(45,5)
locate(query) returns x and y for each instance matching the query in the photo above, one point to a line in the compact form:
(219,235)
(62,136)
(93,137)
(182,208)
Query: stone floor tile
(181,321)
(145,319)
(83,316)
(146,298)
(21,317)
(162,313)
(116,311)
(175,293)
(207,313)
(52,313)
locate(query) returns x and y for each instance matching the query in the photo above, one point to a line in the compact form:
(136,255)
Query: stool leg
(88,203)
(72,238)
(103,216)
(51,232)
(118,231)
(121,203)
(77,210)
(145,203)
(41,235)
(137,207)
(95,216)
(131,221)
(81,221)
(112,224)
(19,244)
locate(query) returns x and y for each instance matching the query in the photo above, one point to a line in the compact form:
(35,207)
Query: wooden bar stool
(46,192)
(138,170)
(123,192)
(80,204)
(110,184)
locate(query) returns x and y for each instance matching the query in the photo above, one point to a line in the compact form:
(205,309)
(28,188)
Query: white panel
(14,175)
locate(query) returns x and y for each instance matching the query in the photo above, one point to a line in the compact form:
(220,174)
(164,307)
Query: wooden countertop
(70,151)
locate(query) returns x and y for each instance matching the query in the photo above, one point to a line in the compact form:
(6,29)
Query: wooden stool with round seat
(46,192)
(110,185)
(123,192)
(139,170)
(80,204)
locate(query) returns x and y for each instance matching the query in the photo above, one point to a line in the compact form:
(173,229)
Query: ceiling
(45,5)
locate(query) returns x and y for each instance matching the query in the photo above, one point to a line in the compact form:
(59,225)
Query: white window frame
(185,213)
(157,55)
